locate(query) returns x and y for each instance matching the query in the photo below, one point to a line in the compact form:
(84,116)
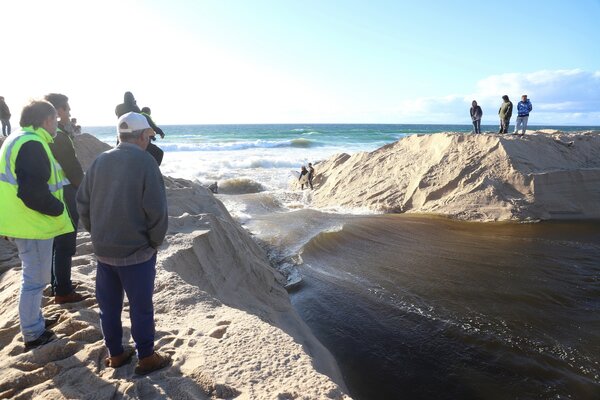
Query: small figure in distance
(76,128)
(311,175)
(153,149)
(476,114)
(128,105)
(146,112)
(303,178)
(524,107)
(5,117)
(213,187)
(127,219)
(505,112)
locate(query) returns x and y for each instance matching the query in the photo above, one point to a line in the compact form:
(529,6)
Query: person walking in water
(311,175)
(33,212)
(303,177)
(505,112)
(476,114)
(5,117)
(123,204)
(524,107)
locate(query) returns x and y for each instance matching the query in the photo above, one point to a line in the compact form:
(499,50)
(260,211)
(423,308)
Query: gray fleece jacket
(122,202)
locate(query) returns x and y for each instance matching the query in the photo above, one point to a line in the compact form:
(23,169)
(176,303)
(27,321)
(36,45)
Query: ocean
(411,307)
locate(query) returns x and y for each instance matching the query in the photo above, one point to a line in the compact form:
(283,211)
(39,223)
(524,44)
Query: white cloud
(558,97)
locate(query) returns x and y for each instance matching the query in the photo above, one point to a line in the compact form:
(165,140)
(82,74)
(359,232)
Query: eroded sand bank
(542,176)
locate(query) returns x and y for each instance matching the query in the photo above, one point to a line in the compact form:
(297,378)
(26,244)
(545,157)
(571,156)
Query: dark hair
(505,97)
(58,100)
(36,112)
(128,98)
(146,110)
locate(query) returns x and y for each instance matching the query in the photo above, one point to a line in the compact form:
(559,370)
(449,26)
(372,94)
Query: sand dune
(221,312)
(544,175)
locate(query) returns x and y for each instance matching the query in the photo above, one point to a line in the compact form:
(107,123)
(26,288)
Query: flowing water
(412,307)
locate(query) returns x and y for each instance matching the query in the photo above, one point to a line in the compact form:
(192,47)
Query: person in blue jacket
(524,107)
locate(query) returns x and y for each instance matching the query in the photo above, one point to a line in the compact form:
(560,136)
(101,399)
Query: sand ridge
(543,175)
(220,310)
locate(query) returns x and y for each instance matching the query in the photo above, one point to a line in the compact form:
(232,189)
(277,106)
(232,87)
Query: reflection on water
(420,308)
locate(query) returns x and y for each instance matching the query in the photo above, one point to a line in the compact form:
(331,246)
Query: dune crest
(542,176)
(220,310)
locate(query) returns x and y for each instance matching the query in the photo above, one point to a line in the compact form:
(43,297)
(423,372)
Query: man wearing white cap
(122,203)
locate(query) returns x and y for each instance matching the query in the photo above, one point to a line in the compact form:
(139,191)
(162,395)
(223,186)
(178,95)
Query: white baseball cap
(132,122)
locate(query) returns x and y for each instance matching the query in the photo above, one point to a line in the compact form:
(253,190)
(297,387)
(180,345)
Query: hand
(162,135)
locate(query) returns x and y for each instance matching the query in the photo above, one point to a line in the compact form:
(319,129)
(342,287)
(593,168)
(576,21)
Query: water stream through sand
(421,308)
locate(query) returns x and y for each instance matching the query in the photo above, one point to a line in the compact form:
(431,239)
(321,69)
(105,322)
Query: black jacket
(32,168)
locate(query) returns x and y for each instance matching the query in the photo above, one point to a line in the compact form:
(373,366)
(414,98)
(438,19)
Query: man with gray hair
(122,203)
(33,212)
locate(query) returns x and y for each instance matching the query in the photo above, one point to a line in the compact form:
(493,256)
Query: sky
(325,61)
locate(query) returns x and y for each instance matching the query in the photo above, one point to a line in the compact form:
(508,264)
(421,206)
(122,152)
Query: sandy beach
(220,309)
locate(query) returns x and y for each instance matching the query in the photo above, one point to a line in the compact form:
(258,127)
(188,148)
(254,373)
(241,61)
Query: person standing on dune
(476,114)
(524,107)
(505,112)
(122,203)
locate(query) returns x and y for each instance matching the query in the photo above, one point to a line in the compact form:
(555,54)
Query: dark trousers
(6,127)
(504,125)
(477,126)
(64,248)
(155,152)
(138,282)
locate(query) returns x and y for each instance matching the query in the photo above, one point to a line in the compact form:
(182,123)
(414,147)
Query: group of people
(130,105)
(306,176)
(524,107)
(69,126)
(120,200)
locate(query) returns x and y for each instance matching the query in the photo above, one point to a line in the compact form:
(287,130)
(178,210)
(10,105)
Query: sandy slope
(471,177)
(221,312)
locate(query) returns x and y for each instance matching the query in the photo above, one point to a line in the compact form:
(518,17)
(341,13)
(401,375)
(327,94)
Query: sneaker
(46,337)
(152,363)
(72,297)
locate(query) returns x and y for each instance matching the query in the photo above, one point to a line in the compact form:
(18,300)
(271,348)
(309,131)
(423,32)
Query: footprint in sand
(220,330)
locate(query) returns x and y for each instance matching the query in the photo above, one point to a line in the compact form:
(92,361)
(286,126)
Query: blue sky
(310,61)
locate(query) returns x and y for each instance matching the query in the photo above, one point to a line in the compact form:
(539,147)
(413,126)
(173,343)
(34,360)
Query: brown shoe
(72,297)
(121,359)
(152,363)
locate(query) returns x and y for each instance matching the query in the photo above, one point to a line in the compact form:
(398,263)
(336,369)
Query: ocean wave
(232,146)
(240,186)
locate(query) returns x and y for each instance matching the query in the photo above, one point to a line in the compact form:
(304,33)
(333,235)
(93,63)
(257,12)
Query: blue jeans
(521,124)
(138,282)
(477,126)
(36,259)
